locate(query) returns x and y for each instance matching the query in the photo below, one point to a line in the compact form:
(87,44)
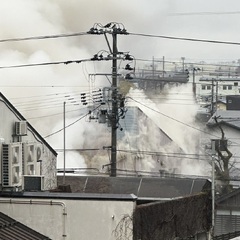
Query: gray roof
(11,229)
(68,196)
(224,199)
(228,117)
(142,187)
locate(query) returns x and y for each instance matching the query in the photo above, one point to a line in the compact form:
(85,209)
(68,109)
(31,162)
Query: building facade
(28,162)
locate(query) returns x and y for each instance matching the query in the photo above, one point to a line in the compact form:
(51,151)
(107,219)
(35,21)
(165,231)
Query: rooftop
(142,187)
(11,229)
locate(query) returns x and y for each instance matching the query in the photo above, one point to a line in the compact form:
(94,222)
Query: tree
(123,230)
(223,164)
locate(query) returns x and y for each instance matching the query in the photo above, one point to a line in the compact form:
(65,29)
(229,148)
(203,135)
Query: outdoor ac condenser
(33,183)
(21,128)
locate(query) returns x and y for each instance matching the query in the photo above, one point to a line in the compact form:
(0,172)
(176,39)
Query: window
(206,87)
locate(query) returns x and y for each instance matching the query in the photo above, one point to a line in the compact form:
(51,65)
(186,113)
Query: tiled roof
(11,229)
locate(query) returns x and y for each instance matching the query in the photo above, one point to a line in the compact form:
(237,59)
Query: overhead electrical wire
(44,95)
(203,13)
(184,39)
(187,63)
(70,99)
(49,101)
(45,63)
(46,98)
(44,37)
(174,119)
(57,105)
(129,33)
(55,114)
(69,125)
(40,86)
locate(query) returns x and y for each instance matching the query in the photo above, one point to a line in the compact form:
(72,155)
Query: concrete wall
(74,219)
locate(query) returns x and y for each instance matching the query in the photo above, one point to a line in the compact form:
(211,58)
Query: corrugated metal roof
(11,229)
(141,187)
(230,118)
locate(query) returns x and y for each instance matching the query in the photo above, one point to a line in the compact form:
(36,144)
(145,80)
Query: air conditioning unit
(32,153)
(39,152)
(33,183)
(12,165)
(21,128)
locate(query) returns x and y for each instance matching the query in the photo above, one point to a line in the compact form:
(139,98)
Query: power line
(44,37)
(200,130)
(129,33)
(55,114)
(44,95)
(40,86)
(204,13)
(185,39)
(69,125)
(45,63)
(187,63)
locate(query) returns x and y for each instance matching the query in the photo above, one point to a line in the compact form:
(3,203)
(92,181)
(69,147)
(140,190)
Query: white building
(97,208)
(28,162)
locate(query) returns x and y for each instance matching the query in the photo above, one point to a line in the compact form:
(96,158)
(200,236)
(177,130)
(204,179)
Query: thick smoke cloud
(36,18)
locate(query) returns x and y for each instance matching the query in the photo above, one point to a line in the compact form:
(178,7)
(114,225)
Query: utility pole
(183,67)
(153,68)
(113,116)
(64,142)
(212,98)
(163,65)
(194,82)
(213,188)
(114,108)
(216,95)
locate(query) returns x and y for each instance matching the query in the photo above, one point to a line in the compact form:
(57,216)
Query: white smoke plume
(39,18)
(175,115)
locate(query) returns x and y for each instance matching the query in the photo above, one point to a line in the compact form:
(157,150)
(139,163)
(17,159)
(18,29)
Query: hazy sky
(160,17)
(212,20)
